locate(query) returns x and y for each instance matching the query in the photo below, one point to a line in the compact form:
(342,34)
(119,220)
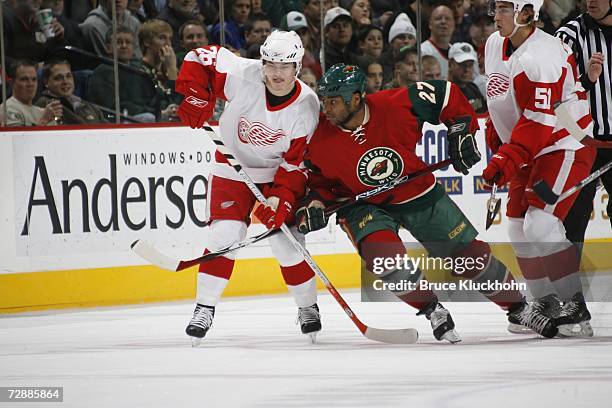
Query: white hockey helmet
(518,6)
(283,46)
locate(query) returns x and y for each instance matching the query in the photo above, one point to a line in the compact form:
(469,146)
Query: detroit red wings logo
(497,85)
(257,134)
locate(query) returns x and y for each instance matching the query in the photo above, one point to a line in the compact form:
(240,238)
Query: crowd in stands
(63,73)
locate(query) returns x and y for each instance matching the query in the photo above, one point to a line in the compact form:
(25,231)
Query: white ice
(254,356)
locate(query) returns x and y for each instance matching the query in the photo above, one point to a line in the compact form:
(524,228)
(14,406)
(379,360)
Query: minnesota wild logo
(379,166)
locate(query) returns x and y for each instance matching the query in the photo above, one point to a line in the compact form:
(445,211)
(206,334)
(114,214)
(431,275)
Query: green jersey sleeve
(428,99)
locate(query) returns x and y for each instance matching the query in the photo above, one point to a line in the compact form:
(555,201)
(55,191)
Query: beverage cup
(44,18)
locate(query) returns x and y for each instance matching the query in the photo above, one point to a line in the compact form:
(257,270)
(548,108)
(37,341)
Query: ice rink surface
(254,356)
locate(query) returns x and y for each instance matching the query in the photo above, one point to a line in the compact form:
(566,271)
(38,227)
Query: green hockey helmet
(342,80)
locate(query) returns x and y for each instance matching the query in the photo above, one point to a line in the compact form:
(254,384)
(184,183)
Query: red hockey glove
(278,209)
(197,107)
(491,137)
(505,164)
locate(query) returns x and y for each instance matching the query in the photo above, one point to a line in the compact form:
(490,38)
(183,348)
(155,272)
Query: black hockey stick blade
(545,192)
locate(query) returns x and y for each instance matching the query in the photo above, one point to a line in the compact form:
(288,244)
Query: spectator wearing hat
(296,21)
(461,61)
(401,34)
(406,68)
(431,68)
(371,43)
(338,33)
(442,26)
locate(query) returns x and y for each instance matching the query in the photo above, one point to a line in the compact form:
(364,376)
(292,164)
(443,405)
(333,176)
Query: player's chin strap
(353,113)
(518,25)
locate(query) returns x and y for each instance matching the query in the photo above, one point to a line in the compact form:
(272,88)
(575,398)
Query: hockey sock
(213,276)
(563,269)
(486,269)
(301,283)
(387,244)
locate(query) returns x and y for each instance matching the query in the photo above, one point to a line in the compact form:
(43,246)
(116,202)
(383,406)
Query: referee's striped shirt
(586,38)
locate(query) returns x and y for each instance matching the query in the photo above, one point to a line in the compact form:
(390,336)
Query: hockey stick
(148,252)
(549,197)
(564,117)
(395,336)
(567,121)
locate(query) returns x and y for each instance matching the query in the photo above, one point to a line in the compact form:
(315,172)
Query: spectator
(313,18)
(401,33)
(236,14)
(192,34)
(481,28)
(137,94)
(23,37)
(99,22)
(72,33)
(374,72)
(209,9)
(558,10)
(462,58)
(178,12)
(256,29)
(142,9)
(309,78)
(19,108)
(159,60)
(77,10)
(338,32)
(431,68)
(277,9)
(442,26)
(360,12)
(371,44)
(406,70)
(59,85)
(257,6)
(296,21)
(462,21)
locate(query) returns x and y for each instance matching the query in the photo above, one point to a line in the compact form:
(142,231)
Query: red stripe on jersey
(288,102)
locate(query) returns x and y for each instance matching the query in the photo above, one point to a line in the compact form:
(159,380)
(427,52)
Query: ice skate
(514,318)
(200,323)
(573,319)
(441,322)
(539,315)
(310,321)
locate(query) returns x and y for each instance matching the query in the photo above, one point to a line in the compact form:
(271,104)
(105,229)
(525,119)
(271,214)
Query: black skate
(539,315)
(310,321)
(441,322)
(573,319)
(200,323)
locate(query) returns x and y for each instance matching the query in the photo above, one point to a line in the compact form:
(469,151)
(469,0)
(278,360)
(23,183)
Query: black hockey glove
(462,147)
(311,216)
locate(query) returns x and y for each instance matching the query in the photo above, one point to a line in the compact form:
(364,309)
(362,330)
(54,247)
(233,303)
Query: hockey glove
(462,147)
(491,137)
(504,164)
(311,216)
(197,107)
(277,210)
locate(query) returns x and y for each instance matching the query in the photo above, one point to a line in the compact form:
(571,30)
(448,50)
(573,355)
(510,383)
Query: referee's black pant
(579,215)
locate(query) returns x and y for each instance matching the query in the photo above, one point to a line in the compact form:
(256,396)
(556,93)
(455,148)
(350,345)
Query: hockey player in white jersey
(528,71)
(267,120)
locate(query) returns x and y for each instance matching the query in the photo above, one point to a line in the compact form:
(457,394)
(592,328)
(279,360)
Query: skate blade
(196,341)
(451,336)
(518,329)
(583,329)
(313,337)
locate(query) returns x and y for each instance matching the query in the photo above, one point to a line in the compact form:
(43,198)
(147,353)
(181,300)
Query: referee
(590,36)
